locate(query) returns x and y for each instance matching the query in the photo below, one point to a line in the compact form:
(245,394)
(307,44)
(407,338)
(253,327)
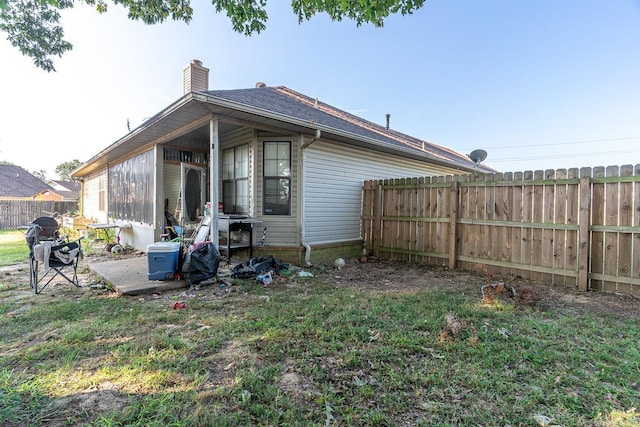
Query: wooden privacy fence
(573,227)
(18,213)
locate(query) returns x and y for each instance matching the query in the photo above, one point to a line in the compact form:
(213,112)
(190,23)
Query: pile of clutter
(261,268)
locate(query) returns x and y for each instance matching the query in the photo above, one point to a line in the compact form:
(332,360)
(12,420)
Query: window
(235,180)
(102,192)
(277,178)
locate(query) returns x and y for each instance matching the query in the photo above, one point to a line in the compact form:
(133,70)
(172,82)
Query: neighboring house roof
(17,182)
(68,190)
(271,108)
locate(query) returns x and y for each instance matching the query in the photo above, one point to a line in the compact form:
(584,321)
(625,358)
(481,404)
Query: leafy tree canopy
(41,174)
(64,169)
(33,26)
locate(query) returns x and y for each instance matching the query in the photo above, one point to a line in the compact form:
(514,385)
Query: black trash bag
(256,266)
(201,263)
(243,271)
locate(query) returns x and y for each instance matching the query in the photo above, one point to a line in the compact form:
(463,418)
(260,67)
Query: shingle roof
(66,189)
(17,182)
(282,100)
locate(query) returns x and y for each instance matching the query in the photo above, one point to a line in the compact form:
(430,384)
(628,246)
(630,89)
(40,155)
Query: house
(68,191)
(285,159)
(18,184)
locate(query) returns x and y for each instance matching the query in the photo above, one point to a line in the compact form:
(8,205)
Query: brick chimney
(195,77)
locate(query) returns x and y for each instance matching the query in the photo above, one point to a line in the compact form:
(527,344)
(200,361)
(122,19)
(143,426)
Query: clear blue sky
(538,84)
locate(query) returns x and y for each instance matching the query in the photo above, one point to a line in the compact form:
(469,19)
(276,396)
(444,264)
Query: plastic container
(162,260)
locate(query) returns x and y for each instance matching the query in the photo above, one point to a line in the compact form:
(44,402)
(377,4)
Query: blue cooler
(162,260)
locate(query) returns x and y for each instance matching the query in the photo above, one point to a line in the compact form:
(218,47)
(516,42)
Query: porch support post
(158,191)
(214,151)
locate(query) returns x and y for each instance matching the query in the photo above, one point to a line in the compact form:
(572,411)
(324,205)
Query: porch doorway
(193,187)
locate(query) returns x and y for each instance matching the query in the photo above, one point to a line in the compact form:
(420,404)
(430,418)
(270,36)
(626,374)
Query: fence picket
(496,214)
(483,244)
(611,190)
(597,236)
(548,218)
(465,248)
(442,226)
(625,219)
(421,226)
(585,196)
(559,245)
(527,216)
(538,218)
(431,208)
(517,217)
(412,208)
(635,244)
(572,199)
(453,222)
(506,209)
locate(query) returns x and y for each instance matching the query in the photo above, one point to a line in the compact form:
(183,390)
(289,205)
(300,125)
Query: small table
(229,224)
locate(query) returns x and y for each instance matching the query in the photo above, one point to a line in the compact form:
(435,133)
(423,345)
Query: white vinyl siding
(91,197)
(333,176)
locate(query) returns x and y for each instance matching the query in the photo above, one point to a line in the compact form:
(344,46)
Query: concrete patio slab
(129,277)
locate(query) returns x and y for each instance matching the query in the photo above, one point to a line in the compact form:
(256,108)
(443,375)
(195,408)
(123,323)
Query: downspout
(305,244)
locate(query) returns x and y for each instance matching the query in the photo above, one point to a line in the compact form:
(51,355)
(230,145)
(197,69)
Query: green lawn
(312,353)
(13,247)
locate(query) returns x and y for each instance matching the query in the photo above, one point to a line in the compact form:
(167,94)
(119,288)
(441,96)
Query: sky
(538,84)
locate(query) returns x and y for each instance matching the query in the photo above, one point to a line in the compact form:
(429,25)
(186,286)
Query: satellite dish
(477,156)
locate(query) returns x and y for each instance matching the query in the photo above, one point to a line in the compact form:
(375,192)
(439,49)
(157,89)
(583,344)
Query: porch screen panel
(131,189)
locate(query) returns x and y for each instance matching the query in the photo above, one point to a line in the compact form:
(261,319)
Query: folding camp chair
(56,254)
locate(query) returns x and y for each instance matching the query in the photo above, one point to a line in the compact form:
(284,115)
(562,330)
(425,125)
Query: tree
(41,174)
(64,169)
(33,26)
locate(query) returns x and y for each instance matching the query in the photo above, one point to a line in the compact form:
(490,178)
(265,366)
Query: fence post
(377,221)
(583,233)
(453,218)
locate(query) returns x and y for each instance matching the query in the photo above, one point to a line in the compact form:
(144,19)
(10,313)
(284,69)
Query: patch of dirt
(391,276)
(77,406)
